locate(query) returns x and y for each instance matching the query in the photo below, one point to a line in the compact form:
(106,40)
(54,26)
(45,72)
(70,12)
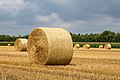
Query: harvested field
(87,64)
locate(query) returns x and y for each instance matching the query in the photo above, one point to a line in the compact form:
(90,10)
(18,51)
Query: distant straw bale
(21,44)
(8,44)
(107,46)
(50,46)
(77,46)
(86,46)
(100,46)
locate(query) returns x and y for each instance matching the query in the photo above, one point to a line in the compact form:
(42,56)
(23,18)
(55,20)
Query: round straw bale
(100,46)
(50,46)
(9,44)
(77,46)
(86,46)
(107,46)
(21,44)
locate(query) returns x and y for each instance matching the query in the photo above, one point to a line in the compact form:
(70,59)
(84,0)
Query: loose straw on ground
(21,44)
(107,46)
(50,46)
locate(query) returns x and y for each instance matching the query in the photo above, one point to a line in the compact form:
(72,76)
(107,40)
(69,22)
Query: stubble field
(92,64)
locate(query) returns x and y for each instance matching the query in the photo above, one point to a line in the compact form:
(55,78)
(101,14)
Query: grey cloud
(83,9)
(82,16)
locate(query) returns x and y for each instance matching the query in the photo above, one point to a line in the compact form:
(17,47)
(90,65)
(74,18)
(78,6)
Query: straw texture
(86,46)
(107,46)
(77,46)
(50,46)
(21,44)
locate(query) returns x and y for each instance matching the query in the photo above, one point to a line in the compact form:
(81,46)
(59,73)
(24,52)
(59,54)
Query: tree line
(106,36)
(8,38)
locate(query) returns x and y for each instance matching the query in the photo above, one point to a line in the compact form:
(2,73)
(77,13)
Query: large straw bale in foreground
(86,46)
(21,44)
(107,46)
(50,46)
(100,46)
(77,46)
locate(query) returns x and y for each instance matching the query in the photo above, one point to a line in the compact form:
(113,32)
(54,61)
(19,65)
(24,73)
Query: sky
(20,17)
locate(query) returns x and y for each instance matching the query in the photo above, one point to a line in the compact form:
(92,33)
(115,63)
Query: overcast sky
(77,16)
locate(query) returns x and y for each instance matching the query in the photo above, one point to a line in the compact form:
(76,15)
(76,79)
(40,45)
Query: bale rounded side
(50,46)
(21,44)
